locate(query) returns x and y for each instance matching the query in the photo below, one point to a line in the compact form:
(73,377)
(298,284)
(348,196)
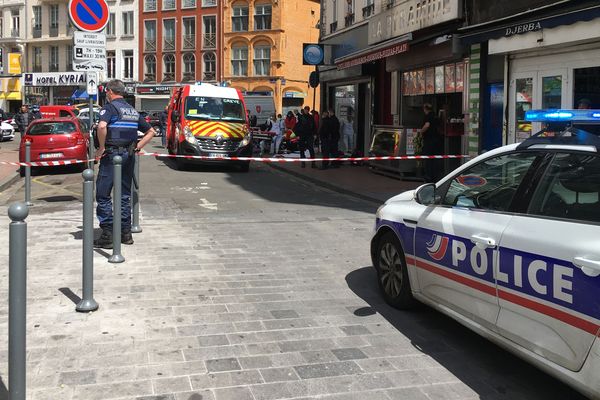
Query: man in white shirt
(278,128)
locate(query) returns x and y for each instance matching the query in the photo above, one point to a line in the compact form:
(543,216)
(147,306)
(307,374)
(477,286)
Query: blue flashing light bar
(563,115)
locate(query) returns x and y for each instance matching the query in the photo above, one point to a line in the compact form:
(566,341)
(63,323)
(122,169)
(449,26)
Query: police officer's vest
(122,129)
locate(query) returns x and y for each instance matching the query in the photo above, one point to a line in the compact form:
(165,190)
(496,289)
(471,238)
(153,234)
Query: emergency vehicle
(508,244)
(208,120)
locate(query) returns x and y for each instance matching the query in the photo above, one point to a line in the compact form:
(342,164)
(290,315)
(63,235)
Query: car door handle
(483,242)
(588,266)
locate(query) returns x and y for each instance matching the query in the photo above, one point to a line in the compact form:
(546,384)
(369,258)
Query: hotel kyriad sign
(410,16)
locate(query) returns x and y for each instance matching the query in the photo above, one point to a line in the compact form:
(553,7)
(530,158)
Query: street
(241,286)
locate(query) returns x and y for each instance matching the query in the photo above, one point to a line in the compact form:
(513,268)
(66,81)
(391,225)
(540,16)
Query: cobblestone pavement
(250,286)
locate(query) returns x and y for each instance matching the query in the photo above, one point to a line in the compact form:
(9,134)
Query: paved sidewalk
(9,151)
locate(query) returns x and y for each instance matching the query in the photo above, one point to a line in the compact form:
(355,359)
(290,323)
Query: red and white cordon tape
(260,159)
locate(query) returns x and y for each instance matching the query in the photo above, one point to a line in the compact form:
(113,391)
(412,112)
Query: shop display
(460,77)
(450,78)
(439,79)
(420,82)
(430,81)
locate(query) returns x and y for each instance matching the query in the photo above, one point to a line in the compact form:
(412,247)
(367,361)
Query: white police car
(509,245)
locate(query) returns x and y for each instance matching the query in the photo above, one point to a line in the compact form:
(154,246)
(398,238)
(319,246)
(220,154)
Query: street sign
(92,83)
(89,65)
(54,79)
(89,39)
(89,53)
(89,15)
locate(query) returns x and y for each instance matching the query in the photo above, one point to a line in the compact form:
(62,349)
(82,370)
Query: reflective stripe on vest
(125,128)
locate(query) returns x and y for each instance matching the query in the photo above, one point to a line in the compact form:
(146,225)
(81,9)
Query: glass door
(522,91)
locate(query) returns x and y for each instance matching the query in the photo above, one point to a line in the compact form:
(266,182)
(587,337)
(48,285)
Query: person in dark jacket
(23,118)
(334,128)
(325,138)
(35,112)
(432,143)
(305,129)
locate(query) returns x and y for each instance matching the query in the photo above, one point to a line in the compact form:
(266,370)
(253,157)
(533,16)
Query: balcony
(149,78)
(348,19)
(209,41)
(168,76)
(189,42)
(168,44)
(150,45)
(188,77)
(36,31)
(368,10)
(14,33)
(389,4)
(37,68)
(209,76)
(53,67)
(188,4)
(53,32)
(333,27)
(150,5)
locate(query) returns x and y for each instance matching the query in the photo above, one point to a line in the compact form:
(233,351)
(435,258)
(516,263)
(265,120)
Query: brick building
(180,42)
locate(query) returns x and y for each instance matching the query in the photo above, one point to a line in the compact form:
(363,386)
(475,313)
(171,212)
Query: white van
(261,106)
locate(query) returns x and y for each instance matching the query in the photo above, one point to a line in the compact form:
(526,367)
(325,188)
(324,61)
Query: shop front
(53,88)
(10,94)
(153,97)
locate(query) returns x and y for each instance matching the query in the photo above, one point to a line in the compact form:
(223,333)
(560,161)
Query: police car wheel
(392,275)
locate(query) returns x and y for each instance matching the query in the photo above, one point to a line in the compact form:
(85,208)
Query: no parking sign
(89,15)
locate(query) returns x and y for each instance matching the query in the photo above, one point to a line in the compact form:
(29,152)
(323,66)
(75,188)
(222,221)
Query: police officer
(117,135)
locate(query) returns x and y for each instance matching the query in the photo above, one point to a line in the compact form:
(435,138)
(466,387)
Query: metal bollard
(17,301)
(28,174)
(87,302)
(116,256)
(135,226)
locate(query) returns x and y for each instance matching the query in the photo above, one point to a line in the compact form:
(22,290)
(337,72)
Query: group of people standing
(24,117)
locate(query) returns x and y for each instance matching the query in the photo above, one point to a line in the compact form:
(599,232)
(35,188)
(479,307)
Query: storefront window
(523,101)
(586,87)
(551,91)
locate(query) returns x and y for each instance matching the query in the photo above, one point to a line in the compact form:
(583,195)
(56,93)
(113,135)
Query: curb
(9,181)
(327,185)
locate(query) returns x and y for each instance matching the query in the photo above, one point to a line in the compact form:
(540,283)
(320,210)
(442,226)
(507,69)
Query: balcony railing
(53,67)
(168,76)
(368,10)
(188,77)
(333,27)
(37,32)
(37,68)
(188,4)
(14,33)
(189,42)
(389,4)
(149,78)
(209,41)
(348,19)
(168,44)
(150,45)
(53,32)
(150,5)
(209,76)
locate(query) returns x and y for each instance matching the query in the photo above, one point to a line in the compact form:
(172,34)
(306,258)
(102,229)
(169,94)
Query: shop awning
(79,94)
(10,89)
(511,26)
(383,50)
(11,95)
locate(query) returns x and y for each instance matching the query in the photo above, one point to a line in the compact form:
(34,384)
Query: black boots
(105,241)
(126,237)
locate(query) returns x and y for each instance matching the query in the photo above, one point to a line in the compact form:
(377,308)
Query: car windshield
(214,108)
(52,128)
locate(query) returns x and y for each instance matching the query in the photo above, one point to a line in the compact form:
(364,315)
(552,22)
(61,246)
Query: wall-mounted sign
(313,54)
(373,56)
(89,15)
(14,63)
(154,89)
(410,16)
(523,28)
(55,79)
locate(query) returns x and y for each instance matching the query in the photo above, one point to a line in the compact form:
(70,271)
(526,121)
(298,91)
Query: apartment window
(149,5)
(188,3)
(189,33)
(209,26)
(168,34)
(127,64)
(111,26)
(239,19)
(69,57)
(37,59)
(1,27)
(53,16)
(53,58)
(150,68)
(334,9)
(37,17)
(128,23)
(262,17)
(111,64)
(150,35)
(209,3)
(262,60)
(168,4)
(189,67)
(210,67)
(239,61)
(169,67)
(15,29)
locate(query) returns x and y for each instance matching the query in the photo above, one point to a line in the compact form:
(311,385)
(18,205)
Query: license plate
(217,155)
(51,155)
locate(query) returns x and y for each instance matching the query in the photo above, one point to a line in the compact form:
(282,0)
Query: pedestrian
(277,129)
(432,142)
(305,129)
(290,121)
(117,135)
(347,133)
(584,104)
(162,119)
(253,121)
(265,144)
(3,115)
(325,138)
(23,118)
(35,112)
(334,139)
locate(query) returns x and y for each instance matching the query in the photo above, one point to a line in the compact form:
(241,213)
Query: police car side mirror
(425,194)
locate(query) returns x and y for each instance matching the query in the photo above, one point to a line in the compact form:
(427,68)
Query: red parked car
(55,139)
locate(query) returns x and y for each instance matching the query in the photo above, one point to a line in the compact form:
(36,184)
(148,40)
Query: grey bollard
(17,301)
(87,302)
(28,173)
(116,256)
(135,226)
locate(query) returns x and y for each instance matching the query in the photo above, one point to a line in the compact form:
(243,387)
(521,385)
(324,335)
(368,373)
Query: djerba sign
(55,79)
(410,16)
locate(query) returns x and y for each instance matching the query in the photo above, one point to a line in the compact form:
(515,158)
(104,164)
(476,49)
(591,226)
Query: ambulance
(210,121)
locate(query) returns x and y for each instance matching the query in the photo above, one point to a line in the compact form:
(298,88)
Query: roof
(208,90)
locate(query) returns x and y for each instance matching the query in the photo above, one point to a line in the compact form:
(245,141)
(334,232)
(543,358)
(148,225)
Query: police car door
(549,276)
(456,241)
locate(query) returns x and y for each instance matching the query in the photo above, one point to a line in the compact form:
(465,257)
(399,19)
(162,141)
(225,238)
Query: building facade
(13,39)
(181,42)
(263,49)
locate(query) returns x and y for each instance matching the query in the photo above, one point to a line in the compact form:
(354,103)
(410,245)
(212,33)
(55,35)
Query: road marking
(207,205)
(54,187)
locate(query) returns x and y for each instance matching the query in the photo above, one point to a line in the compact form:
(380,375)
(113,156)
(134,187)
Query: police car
(508,244)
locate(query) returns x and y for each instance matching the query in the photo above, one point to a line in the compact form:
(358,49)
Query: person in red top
(290,121)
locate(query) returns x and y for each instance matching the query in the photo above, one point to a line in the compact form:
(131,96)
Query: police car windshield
(214,108)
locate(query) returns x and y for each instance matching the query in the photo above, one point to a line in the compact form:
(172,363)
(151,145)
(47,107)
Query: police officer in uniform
(117,135)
